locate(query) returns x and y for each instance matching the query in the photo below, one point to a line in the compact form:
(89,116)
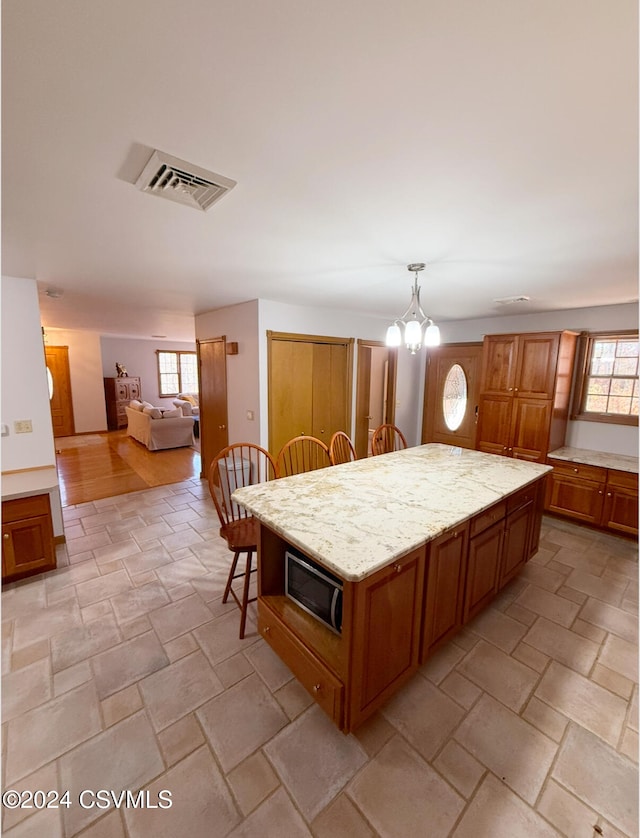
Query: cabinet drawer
(522,497)
(20,508)
(487,518)
(567,469)
(624,479)
(323,685)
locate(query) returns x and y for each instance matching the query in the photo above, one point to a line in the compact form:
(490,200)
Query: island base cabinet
(387,614)
(485,550)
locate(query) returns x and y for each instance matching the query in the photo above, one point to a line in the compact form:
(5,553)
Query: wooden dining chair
(241,464)
(301,454)
(387,438)
(341,449)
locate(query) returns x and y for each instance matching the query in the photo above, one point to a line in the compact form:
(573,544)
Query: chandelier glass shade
(408,329)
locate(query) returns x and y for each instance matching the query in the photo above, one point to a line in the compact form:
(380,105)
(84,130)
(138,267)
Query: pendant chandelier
(413,321)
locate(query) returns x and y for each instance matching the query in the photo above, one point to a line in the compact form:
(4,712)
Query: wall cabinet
(27,537)
(118,393)
(602,497)
(524,393)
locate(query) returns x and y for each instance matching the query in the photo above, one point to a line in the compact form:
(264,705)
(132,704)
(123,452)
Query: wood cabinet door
(536,365)
(386,623)
(575,498)
(27,537)
(620,509)
(445,578)
(485,550)
(517,542)
(530,429)
(494,424)
(499,360)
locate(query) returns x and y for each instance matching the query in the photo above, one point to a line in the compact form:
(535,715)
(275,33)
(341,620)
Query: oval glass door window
(454,397)
(50,383)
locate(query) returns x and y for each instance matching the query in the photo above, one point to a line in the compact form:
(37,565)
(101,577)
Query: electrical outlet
(23,426)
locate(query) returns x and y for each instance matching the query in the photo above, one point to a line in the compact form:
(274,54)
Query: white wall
(139,359)
(25,394)
(596,436)
(85,369)
(239,323)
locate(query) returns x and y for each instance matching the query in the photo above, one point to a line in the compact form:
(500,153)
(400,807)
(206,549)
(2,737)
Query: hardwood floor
(94,466)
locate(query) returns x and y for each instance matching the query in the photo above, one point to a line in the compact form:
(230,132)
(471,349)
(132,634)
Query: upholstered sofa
(189,403)
(157,429)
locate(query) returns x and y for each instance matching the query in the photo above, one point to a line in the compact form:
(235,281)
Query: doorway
(60,402)
(375,391)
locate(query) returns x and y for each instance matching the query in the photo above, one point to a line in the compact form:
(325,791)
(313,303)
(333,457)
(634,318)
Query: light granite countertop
(621,462)
(22,484)
(358,517)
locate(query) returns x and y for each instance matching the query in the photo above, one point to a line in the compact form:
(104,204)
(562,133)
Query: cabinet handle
(317,688)
(599,491)
(266,629)
(6,536)
(608,494)
(221,427)
(321,430)
(510,389)
(397,567)
(515,390)
(576,470)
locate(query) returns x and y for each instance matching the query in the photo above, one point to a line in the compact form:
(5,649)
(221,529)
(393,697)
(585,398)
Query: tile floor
(123,670)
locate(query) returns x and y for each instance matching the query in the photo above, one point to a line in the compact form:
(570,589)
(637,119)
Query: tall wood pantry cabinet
(524,393)
(118,393)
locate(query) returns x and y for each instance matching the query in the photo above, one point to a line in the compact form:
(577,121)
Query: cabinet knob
(221,427)
(266,629)
(599,491)
(321,430)
(317,688)
(515,390)
(397,567)
(6,536)
(608,494)
(510,389)
(576,470)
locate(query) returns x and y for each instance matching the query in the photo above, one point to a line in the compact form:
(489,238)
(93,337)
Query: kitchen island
(421,539)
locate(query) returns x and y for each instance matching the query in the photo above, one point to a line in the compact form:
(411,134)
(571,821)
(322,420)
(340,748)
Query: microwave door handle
(334,603)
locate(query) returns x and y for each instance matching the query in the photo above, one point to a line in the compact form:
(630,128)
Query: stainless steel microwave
(314,589)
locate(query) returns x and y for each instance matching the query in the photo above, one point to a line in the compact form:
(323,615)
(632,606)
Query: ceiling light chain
(413,321)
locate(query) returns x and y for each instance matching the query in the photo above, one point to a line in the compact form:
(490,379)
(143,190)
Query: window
(607,390)
(177,372)
(454,397)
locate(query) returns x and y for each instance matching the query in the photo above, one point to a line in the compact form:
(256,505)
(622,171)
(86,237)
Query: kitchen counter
(619,462)
(358,517)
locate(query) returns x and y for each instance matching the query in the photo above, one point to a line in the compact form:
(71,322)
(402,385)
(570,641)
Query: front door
(451,393)
(212,370)
(57,359)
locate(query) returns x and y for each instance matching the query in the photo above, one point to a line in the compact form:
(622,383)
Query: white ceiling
(495,140)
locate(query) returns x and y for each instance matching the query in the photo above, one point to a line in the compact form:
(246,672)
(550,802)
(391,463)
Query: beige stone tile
(87,543)
(141,579)
(181,591)
(45,822)
(562,645)
(180,739)
(548,605)
(201,802)
(440,664)
(133,759)
(117,707)
(545,718)
(522,615)
(40,735)
(122,665)
(268,665)
(179,540)
(233,669)
(374,733)
(109,826)
(568,814)
(583,701)
(293,698)
(67,576)
(341,818)
(179,617)
(511,748)
(588,630)
(460,689)
(252,781)
(632,717)
(103,588)
(531,657)
(601,778)
(75,675)
(240,720)
(136,627)
(543,577)
(43,623)
(497,628)
(456,765)
(495,812)
(178,689)
(151,532)
(29,654)
(110,567)
(606,590)
(274,818)
(314,783)
(180,647)
(426,732)
(629,744)
(399,794)
(620,656)
(97,611)
(623,567)
(134,603)
(499,675)
(219,639)
(44,779)
(148,559)
(612,681)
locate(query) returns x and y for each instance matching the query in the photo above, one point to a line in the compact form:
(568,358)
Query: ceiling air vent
(177,180)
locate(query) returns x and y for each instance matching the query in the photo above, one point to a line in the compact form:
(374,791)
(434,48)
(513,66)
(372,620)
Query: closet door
(329,390)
